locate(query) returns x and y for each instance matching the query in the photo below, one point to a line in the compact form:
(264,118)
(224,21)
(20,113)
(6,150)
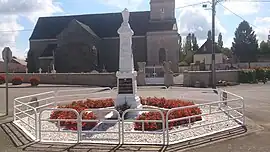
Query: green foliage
(209,35)
(220,41)
(195,46)
(247,76)
(245,45)
(254,75)
(264,47)
(228,52)
(187,45)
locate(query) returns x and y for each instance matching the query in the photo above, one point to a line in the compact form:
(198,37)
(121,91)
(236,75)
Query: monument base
(133,101)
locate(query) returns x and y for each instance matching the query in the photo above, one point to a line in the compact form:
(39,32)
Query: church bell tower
(162,10)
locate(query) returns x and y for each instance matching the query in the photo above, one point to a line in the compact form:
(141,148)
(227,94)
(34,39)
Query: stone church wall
(109,54)
(37,47)
(163,40)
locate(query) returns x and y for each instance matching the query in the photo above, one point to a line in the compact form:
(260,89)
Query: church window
(162,10)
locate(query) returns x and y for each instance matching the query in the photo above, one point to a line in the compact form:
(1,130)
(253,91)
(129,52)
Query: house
(83,43)
(204,54)
(14,66)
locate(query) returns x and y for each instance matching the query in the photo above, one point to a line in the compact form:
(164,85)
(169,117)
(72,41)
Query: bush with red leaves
(17,80)
(2,79)
(168,104)
(79,106)
(34,81)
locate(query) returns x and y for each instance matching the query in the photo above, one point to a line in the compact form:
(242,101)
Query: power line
(236,14)
(190,5)
(23,30)
(249,1)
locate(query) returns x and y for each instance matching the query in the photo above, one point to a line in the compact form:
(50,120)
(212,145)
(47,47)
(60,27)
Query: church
(83,43)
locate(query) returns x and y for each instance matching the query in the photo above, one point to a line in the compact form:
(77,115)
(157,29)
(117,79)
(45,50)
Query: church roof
(206,48)
(103,25)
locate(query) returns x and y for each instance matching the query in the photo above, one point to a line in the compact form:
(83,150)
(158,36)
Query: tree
(245,45)
(264,47)
(220,41)
(228,52)
(195,46)
(209,35)
(187,45)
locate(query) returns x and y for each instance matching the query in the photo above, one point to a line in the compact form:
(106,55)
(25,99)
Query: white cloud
(11,10)
(262,27)
(195,19)
(132,5)
(228,42)
(242,8)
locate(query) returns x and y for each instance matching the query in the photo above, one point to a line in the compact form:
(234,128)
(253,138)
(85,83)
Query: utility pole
(213,45)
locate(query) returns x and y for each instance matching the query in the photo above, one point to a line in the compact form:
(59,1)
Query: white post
(40,70)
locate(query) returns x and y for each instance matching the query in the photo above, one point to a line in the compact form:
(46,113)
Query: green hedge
(254,75)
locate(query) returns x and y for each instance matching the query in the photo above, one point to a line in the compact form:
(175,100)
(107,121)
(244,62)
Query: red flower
(164,103)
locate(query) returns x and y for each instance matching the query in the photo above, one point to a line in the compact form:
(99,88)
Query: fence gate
(154,75)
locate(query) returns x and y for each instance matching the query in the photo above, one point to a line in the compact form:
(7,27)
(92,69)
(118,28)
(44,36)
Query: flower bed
(17,80)
(2,79)
(167,104)
(79,106)
(34,81)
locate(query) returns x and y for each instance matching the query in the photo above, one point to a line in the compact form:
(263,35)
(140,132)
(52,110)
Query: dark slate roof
(48,51)
(104,25)
(206,48)
(87,28)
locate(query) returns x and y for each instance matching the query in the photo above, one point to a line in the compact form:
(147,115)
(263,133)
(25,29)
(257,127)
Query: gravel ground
(175,134)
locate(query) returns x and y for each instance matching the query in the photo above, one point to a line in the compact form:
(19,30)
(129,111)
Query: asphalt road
(257,105)
(257,108)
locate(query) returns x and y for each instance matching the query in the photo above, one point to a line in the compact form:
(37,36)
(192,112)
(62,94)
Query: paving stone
(5,127)
(16,141)
(150,148)
(132,148)
(40,145)
(78,150)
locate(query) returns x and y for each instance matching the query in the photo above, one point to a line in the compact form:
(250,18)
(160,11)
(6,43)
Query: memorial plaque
(125,86)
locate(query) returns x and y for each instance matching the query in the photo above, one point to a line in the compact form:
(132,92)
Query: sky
(18,17)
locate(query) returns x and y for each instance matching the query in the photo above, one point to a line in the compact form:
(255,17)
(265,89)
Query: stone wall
(101,79)
(167,40)
(191,77)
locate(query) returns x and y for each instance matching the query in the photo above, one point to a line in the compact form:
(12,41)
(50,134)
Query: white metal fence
(28,114)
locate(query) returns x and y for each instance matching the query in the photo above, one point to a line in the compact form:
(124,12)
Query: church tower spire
(162,10)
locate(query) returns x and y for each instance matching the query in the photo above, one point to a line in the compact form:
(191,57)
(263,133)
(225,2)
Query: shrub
(17,80)
(168,104)
(34,81)
(254,75)
(79,106)
(247,76)
(2,79)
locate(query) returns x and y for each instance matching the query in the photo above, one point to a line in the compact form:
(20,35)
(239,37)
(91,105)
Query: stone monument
(126,76)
